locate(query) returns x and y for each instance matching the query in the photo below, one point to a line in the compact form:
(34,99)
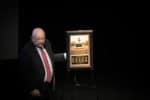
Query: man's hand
(35,92)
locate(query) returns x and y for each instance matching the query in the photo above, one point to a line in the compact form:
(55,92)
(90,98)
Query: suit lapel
(38,65)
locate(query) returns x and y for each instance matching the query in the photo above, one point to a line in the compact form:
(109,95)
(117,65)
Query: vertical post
(76,81)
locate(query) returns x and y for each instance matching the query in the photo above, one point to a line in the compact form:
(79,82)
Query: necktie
(48,72)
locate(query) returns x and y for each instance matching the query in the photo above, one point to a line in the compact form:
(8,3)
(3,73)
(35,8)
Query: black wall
(9,33)
(114,37)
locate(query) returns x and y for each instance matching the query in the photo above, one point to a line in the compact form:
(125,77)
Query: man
(37,65)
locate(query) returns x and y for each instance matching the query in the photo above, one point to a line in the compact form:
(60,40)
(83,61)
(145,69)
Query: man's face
(38,37)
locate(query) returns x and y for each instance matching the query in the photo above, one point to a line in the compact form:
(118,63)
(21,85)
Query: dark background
(9,33)
(116,75)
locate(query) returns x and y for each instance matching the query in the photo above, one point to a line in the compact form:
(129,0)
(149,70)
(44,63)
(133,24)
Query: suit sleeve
(26,72)
(59,57)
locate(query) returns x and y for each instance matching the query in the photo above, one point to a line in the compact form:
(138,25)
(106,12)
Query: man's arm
(59,57)
(25,70)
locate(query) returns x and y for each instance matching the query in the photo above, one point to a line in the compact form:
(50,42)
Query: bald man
(37,65)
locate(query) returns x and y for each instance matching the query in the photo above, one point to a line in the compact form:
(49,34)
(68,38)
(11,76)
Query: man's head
(38,37)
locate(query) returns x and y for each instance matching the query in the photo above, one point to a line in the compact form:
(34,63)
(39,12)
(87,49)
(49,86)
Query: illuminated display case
(80,49)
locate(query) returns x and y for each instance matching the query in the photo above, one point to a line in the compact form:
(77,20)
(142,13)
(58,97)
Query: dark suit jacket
(32,69)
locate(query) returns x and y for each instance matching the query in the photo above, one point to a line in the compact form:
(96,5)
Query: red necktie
(49,76)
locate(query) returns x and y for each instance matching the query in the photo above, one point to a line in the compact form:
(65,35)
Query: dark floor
(98,87)
(102,90)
